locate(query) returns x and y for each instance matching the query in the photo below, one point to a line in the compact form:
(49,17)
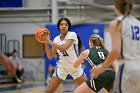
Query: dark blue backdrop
(84,31)
(11,3)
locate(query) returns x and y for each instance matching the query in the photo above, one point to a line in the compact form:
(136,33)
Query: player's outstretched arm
(81,58)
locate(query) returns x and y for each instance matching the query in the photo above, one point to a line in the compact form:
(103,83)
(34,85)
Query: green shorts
(104,80)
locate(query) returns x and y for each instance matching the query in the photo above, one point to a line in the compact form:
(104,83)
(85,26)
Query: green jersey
(97,55)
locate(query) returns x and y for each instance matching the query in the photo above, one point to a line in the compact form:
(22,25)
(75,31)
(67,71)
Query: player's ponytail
(80,44)
(125,7)
(97,40)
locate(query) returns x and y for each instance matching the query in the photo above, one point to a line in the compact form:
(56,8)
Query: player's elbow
(63,49)
(49,57)
(115,53)
(75,66)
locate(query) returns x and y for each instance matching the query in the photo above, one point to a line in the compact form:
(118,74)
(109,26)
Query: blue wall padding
(11,3)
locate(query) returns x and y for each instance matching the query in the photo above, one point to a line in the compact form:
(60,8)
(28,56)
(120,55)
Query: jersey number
(135,33)
(65,53)
(101,55)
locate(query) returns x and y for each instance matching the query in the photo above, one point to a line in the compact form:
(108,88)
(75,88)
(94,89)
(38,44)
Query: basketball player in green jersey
(95,56)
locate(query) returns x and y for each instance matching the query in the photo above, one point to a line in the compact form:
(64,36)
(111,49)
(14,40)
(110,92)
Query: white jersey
(131,37)
(129,72)
(68,57)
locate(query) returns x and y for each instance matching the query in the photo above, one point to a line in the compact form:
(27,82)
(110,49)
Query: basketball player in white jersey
(125,34)
(66,44)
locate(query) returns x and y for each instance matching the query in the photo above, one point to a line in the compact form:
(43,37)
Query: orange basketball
(41,33)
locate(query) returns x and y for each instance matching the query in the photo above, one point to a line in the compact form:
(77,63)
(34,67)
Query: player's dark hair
(14,51)
(80,44)
(67,20)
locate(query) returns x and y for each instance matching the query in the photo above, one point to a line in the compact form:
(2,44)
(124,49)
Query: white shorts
(129,78)
(62,72)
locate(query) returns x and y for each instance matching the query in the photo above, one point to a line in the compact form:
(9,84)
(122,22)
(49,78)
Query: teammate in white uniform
(125,33)
(66,44)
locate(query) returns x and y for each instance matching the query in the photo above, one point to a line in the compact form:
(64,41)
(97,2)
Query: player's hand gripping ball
(41,33)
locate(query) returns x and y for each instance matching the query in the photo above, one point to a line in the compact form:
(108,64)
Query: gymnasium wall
(15,31)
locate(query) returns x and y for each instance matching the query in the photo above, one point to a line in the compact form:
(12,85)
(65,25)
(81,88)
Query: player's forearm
(3,58)
(4,62)
(111,58)
(48,51)
(78,61)
(59,47)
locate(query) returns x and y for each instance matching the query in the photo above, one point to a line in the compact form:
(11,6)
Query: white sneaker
(19,81)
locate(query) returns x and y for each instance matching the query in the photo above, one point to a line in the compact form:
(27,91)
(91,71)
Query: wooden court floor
(67,86)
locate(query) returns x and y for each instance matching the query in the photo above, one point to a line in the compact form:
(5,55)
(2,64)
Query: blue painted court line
(26,86)
(15,87)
